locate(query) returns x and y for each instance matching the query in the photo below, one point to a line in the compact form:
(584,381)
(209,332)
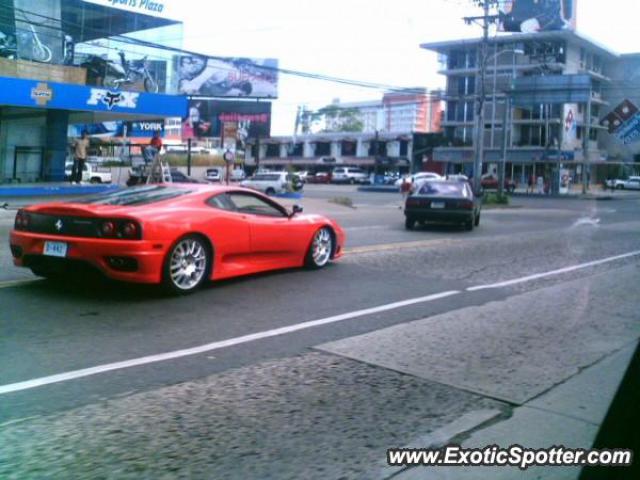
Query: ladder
(160,171)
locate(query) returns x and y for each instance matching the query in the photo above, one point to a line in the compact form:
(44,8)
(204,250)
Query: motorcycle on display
(131,72)
(107,73)
(39,52)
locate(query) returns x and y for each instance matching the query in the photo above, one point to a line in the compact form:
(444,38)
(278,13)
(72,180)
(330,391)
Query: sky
(370,40)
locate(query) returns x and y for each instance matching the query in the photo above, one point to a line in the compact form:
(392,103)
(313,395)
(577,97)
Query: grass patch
(344,201)
(495,199)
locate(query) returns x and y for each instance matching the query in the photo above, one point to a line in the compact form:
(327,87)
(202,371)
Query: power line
(267,68)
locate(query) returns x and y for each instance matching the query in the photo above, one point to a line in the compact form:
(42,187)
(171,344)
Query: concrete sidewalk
(558,366)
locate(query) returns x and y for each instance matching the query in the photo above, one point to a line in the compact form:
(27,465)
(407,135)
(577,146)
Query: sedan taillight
(466,204)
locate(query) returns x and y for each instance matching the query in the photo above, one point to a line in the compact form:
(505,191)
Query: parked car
(213,175)
(176,235)
(237,175)
(274,182)
(178,177)
(90,173)
(490,182)
(418,177)
(303,174)
(631,183)
(349,175)
(138,176)
(319,177)
(458,177)
(443,201)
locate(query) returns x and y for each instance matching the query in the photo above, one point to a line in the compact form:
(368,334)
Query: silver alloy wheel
(188,263)
(321,247)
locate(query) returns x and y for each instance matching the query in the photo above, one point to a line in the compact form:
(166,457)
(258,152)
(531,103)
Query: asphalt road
(270,382)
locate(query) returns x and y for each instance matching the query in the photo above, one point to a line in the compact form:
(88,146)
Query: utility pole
(486,20)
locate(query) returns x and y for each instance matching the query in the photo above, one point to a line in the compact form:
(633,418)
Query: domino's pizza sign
(624,122)
(127,100)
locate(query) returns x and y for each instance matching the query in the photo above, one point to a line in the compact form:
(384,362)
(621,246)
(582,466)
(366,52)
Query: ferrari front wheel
(186,265)
(321,248)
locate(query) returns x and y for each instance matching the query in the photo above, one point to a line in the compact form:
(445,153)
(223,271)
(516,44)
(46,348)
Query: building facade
(321,152)
(412,110)
(542,137)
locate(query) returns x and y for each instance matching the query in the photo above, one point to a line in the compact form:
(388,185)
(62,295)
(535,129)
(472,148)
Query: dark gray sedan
(443,201)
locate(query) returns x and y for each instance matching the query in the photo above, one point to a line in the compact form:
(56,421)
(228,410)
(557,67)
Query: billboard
(141,129)
(624,122)
(208,118)
(227,77)
(528,16)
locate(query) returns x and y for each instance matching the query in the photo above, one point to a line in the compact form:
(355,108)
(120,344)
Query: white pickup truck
(90,173)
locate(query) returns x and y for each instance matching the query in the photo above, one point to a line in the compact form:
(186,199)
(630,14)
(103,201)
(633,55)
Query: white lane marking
(85,372)
(536,276)
(586,221)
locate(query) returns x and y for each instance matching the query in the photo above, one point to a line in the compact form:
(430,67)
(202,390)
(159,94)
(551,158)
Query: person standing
(405,190)
(80,147)
(153,149)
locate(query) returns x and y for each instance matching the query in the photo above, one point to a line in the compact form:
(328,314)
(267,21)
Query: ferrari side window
(222,202)
(247,203)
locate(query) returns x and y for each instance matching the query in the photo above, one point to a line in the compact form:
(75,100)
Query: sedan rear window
(445,189)
(136,195)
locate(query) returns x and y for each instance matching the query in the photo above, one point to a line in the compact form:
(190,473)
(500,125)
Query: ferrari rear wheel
(186,265)
(321,248)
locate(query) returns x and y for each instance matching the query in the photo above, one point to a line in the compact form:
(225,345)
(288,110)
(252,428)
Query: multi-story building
(412,110)
(541,137)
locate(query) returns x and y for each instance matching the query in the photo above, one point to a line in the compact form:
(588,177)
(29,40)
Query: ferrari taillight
(22,220)
(108,228)
(129,230)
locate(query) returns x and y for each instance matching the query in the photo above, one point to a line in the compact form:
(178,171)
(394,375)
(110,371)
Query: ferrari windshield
(137,195)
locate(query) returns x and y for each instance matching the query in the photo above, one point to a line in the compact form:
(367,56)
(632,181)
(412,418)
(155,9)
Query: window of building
(273,150)
(323,148)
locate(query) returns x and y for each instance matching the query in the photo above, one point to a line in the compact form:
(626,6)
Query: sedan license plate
(437,204)
(55,249)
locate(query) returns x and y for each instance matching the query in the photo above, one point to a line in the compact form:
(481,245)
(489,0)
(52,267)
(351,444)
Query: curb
(293,195)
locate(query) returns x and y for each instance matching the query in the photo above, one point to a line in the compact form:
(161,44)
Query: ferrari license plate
(55,249)
(437,204)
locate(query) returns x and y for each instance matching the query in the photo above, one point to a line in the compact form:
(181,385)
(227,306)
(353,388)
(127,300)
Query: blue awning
(63,96)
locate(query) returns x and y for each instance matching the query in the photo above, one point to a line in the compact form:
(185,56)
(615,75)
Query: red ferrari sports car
(177,235)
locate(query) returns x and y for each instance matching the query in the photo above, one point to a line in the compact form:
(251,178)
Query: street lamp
(479,154)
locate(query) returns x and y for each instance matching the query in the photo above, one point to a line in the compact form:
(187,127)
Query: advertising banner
(570,128)
(35,94)
(624,122)
(529,16)
(206,119)
(228,77)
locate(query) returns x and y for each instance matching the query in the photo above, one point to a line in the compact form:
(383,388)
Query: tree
(334,118)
